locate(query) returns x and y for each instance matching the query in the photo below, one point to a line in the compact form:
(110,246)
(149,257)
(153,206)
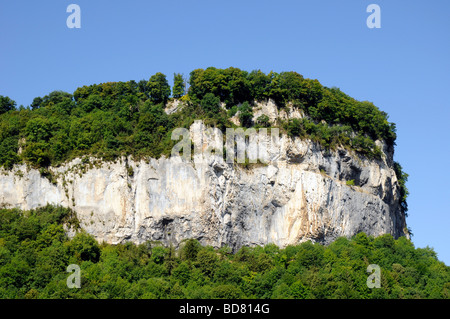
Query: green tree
(281,291)
(37,102)
(211,104)
(179,86)
(50,261)
(158,88)
(8,151)
(158,254)
(263,121)
(55,97)
(84,247)
(91,103)
(236,88)
(245,114)
(38,154)
(6,104)
(402,178)
(53,233)
(190,250)
(206,81)
(295,128)
(298,290)
(182,272)
(207,261)
(309,254)
(259,84)
(226,291)
(38,130)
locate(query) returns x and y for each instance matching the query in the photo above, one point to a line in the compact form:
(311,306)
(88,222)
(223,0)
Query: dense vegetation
(35,253)
(127,118)
(117,118)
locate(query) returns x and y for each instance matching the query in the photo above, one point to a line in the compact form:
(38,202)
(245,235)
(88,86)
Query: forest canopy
(127,118)
(35,253)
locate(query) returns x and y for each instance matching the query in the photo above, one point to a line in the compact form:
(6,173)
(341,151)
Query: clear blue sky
(404,67)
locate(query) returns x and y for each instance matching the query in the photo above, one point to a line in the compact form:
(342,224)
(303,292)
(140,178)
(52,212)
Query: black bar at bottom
(207,308)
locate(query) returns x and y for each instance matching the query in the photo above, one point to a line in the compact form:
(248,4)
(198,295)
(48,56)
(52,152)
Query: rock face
(301,193)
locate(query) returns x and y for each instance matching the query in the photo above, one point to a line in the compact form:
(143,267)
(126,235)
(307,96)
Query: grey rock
(300,194)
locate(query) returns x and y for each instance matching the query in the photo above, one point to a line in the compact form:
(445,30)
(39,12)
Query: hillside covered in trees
(35,253)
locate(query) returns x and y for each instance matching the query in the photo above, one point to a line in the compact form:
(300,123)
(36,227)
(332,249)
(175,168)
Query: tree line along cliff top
(127,118)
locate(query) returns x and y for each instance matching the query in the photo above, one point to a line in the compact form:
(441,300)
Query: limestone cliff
(301,193)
